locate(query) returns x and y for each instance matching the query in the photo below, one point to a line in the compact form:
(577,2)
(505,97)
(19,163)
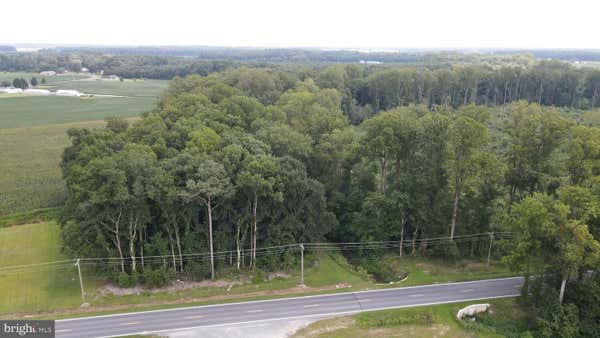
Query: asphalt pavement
(169,320)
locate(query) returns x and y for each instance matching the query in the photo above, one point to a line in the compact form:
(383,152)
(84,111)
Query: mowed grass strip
(39,288)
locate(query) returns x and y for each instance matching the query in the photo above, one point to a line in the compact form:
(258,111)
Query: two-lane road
(284,308)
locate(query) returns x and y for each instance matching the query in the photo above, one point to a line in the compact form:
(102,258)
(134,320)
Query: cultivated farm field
(30,176)
(33,132)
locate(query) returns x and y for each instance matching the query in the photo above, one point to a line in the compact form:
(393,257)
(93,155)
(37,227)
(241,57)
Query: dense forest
(255,157)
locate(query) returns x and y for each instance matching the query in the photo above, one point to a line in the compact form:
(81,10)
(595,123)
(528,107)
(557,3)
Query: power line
(205,256)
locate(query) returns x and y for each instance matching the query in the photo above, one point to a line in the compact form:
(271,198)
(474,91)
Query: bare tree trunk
(132,237)
(402,237)
(118,244)
(210,238)
(172,249)
(141,232)
(563,284)
(383,174)
(414,240)
(254,230)
(454,212)
(238,249)
(178,242)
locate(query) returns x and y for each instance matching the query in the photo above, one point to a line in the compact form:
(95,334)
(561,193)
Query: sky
(368,24)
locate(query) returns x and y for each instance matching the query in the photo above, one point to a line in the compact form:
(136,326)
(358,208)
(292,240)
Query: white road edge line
(308,316)
(287,298)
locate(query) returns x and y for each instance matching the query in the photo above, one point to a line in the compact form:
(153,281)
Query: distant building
(85,70)
(48,73)
(369,62)
(111,77)
(11,90)
(68,92)
(37,92)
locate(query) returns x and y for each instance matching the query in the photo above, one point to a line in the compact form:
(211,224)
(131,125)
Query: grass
(55,287)
(133,88)
(427,271)
(428,321)
(36,289)
(27,111)
(34,216)
(10,76)
(30,176)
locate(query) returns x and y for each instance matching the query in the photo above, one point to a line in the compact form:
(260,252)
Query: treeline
(136,66)
(320,55)
(366,89)
(253,158)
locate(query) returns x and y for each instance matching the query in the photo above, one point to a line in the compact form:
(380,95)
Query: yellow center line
(417,295)
(63,330)
(194,317)
(516,286)
(467,290)
(254,311)
(129,323)
(312,305)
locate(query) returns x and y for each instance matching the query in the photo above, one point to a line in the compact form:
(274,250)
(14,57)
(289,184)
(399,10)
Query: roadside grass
(427,321)
(36,289)
(53,291)
(324,271)
(431,270)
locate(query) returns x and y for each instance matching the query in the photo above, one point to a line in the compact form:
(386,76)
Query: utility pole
(302,264)
(490,249)
(80,281)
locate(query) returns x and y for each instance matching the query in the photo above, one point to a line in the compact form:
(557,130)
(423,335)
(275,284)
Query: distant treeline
(366,88)
(338,55)
(7,49)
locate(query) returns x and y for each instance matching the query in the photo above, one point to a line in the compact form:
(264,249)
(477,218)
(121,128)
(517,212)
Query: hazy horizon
(336,24)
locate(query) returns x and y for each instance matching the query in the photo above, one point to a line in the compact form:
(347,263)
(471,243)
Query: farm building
(11,90)
(68,92)
(37,92)
(48,73)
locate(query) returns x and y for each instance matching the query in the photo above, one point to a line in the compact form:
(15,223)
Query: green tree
(466,136)
(208,183)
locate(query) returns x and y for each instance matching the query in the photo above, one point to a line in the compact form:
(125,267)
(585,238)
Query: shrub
(259,276)
(127,281)
(446,250)
(394,318)
(380,271)
(156,278)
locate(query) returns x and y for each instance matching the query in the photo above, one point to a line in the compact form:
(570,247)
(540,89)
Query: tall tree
(209,182)
(466,136)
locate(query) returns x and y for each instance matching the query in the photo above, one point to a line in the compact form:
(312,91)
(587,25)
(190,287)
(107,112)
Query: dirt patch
(475,266)
(178,285)
(274,275)
(325,326)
